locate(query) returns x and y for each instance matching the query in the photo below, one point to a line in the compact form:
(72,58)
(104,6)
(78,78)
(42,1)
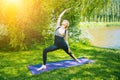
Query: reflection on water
(108,37)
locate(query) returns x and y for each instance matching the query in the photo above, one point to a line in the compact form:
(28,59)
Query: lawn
(13,65)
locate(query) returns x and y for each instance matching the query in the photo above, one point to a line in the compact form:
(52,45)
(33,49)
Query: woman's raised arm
(59,18)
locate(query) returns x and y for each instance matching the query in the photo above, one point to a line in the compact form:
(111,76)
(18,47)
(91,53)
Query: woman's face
(65,23)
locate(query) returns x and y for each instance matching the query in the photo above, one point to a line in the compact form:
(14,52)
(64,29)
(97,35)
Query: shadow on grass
(106,66)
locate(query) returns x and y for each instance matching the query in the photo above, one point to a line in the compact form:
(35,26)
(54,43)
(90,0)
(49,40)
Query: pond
(107,37)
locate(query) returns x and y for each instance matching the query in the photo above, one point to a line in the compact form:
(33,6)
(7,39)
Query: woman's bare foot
(79,61)
(42,68)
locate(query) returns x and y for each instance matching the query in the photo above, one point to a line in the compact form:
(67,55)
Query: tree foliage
(30,20)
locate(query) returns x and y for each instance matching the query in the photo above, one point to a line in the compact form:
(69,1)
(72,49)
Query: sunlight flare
(13,2)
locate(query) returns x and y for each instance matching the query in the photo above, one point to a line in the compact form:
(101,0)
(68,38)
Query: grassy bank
(13,65)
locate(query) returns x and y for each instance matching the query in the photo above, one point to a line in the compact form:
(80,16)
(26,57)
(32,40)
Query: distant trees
(109,13)
(82,10)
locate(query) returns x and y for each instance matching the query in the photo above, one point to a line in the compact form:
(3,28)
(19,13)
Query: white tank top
(60,32)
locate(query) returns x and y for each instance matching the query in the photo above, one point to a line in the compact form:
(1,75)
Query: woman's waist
(59,37)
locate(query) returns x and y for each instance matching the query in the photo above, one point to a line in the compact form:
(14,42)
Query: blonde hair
(65,22)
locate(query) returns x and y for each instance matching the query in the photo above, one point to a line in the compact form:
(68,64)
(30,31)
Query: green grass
(13,65)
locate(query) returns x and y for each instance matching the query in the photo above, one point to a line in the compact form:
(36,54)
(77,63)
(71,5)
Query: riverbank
(103,34)
(107,37)
(106,66)
(98,24)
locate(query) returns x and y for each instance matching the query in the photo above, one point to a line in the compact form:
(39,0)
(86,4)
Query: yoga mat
(58,64)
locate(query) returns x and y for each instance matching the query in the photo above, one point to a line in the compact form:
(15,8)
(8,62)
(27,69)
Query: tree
(29,21)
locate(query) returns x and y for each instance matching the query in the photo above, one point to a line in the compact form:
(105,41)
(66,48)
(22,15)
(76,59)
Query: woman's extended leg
(65,48)
(51,48)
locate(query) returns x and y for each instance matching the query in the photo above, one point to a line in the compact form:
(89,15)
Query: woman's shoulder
(57,27)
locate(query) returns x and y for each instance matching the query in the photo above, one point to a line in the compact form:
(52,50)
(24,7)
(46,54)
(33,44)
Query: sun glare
(16,10)
(13,2)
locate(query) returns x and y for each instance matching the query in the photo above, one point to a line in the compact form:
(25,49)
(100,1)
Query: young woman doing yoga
(60,41)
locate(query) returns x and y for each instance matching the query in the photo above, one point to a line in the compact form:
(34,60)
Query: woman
(60,41)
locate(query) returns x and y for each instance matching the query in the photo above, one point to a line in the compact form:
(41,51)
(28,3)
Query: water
(108,37)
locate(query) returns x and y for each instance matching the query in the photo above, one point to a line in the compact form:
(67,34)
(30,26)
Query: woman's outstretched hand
(67,9)
(64,12)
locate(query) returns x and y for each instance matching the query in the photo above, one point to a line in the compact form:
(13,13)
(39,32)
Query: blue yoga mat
(58,64)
